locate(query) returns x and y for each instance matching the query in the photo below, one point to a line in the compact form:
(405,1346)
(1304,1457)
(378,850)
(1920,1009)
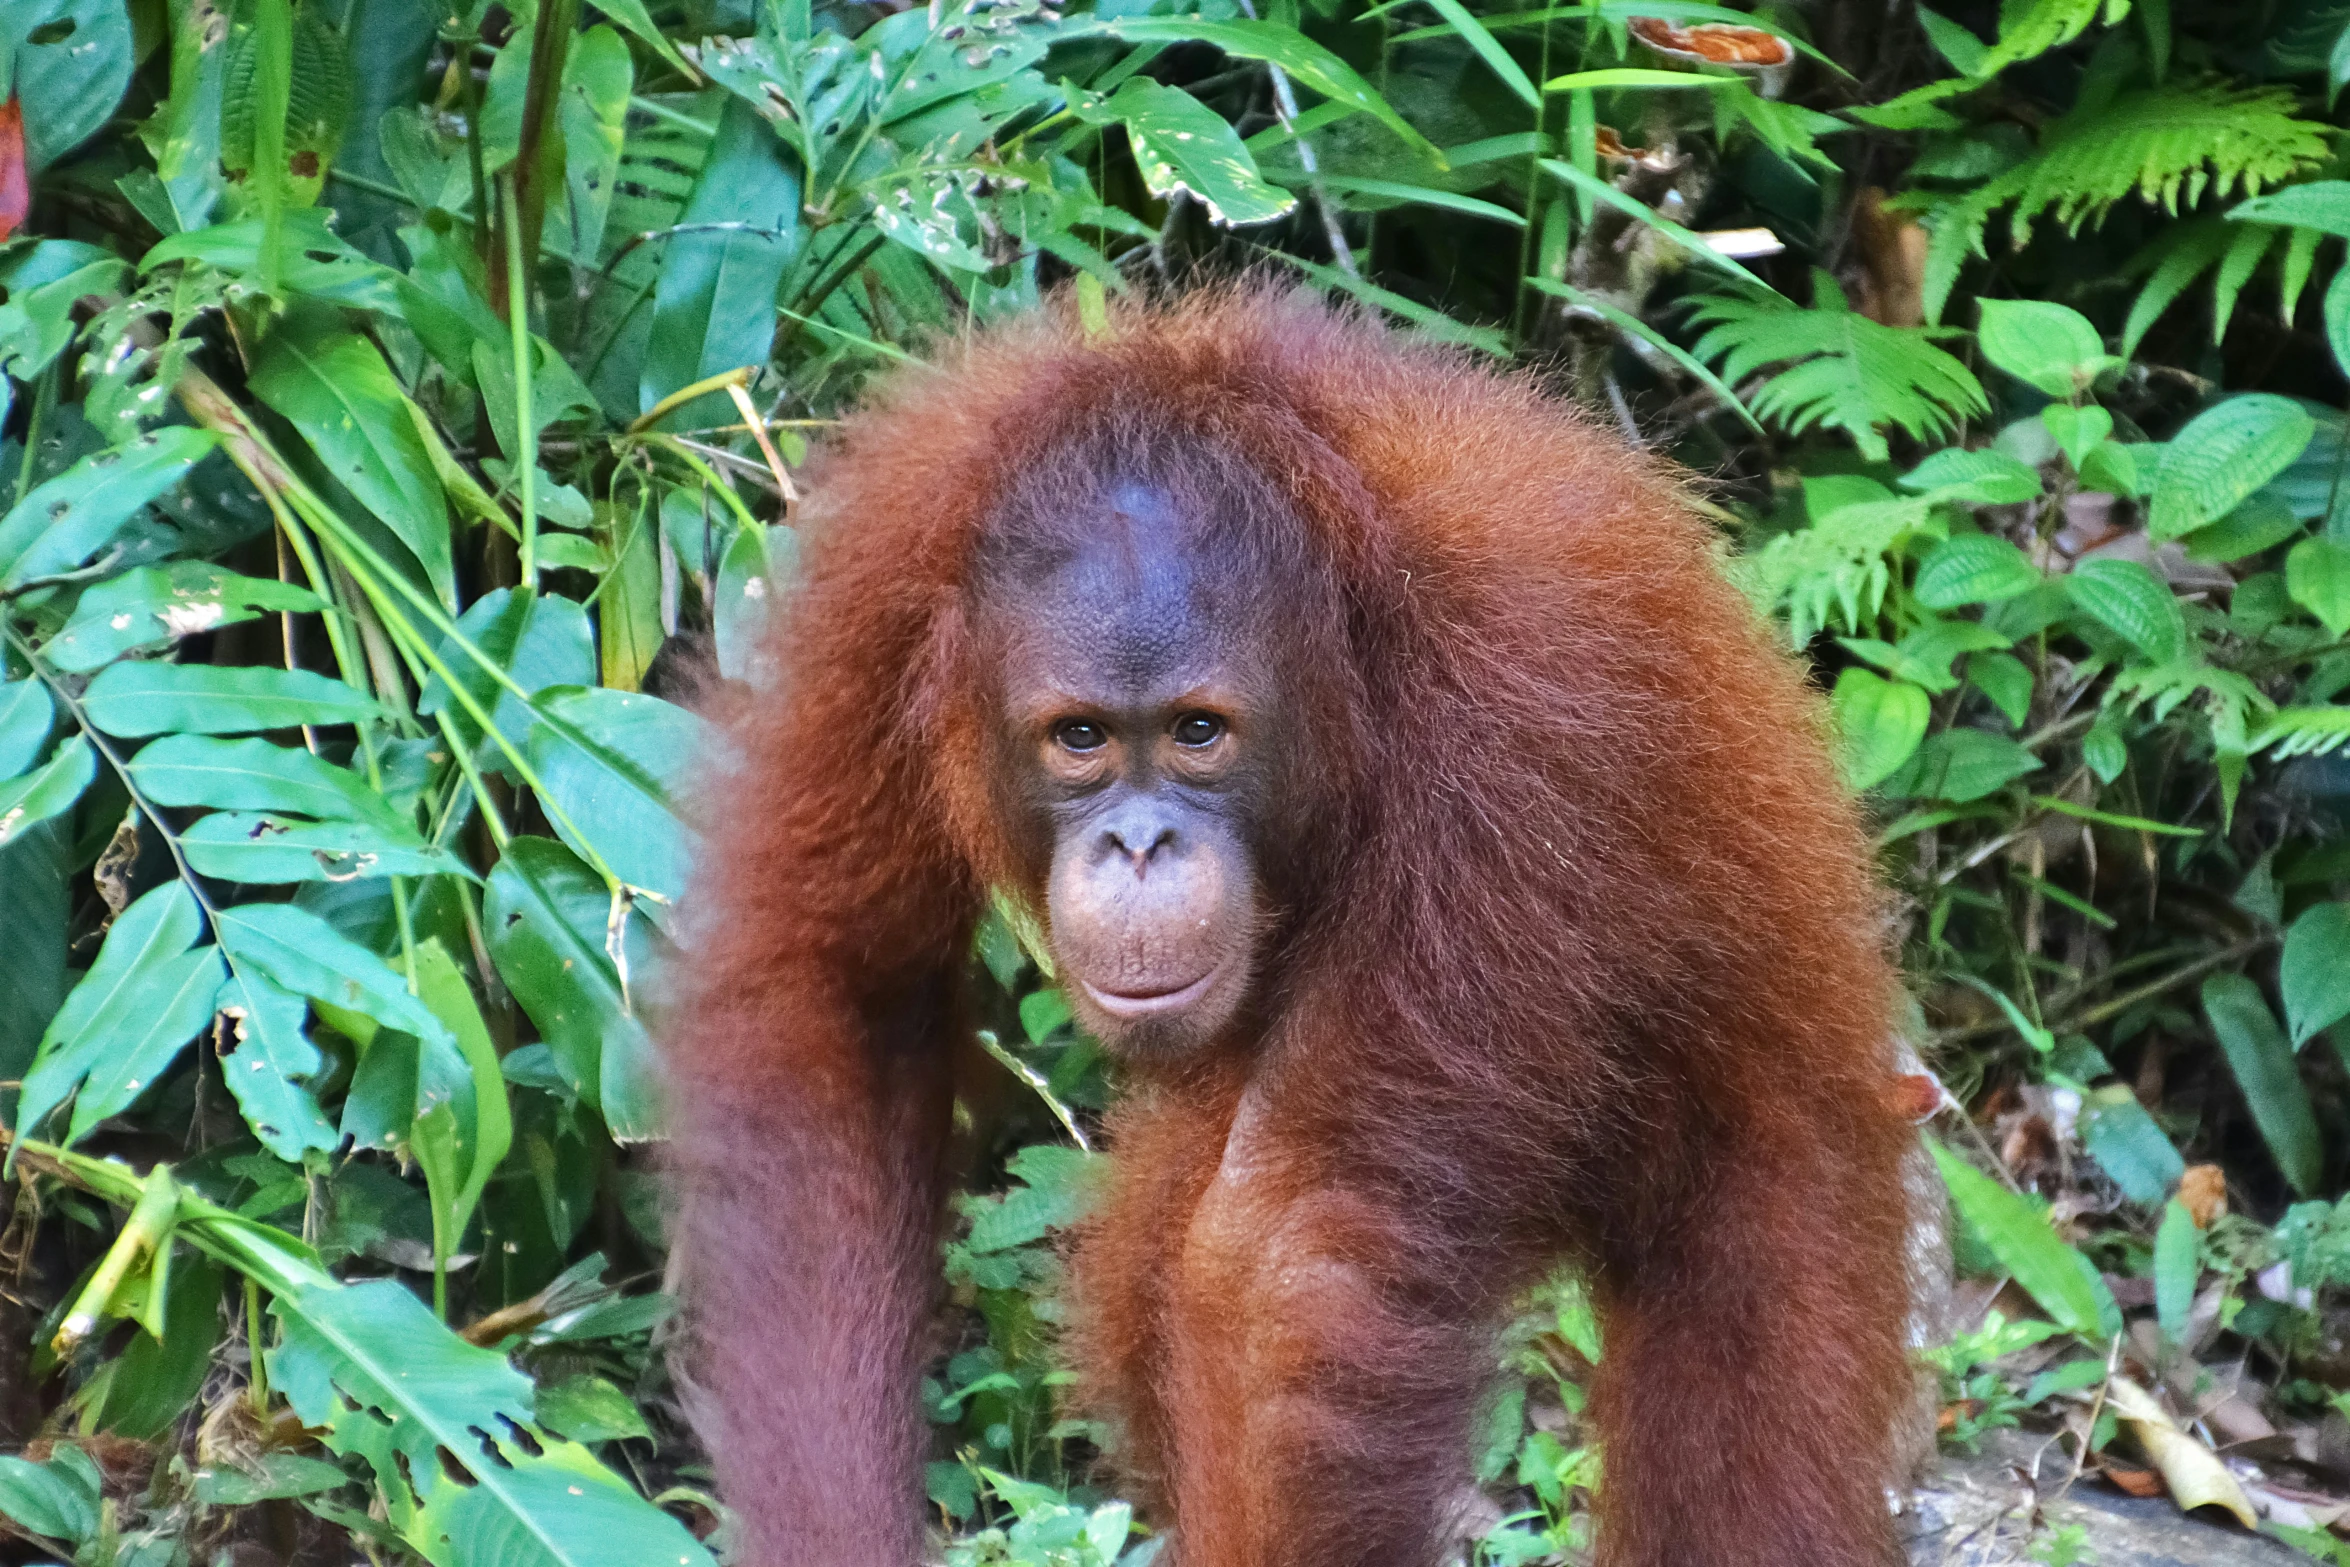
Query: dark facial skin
(1141,738)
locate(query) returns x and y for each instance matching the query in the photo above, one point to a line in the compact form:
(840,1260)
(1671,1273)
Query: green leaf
(1974,568)
(149,699)
(71,63)
(267,849)
(65,521)
(2314,973)
(48,790)
(593,115)
(1959,765)
(369,1366)
(1984,476)
(2322,205)
(332,385)
(49,1500)
(1880,721)
(587,1408)
(2265,1069)
(2064,1283)
(27,714)
(2317,574)
(546,915)
(157,604)
(272,1477)
(2133,603)
(442,986)
(1488,48)
(2126,1143)
(1308,63)
(265,1060)
(538,639)
(2178,1258)
(2222,456)
(309,957)
(714,302)
(152,932)
(2006,680)
(1843,370)
(2077,431)
(2052,347)
(608,759)
(2103,748)
(255,775)
(143,999)
(1180,143)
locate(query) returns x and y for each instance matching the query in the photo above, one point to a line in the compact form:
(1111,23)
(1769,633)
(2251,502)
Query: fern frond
(2168,145)
(1844,371)
(2030,28)
(2304,731)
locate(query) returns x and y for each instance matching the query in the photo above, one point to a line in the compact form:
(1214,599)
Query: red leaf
(16,191)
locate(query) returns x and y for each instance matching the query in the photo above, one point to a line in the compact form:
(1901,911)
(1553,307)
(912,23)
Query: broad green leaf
(2317,574)
(156,604)
(2049,346)
(714,303)
(311,958)
(593,115)
(49,1500)
(2006,680)
(268,849)
(153,932)
(2261,523)
(2104,749)
(538,639)
(2222,456)
(26,716)
(608,761)
(1960,765)
(546,915)
(47,790)
(72,517)
(2323,205)
(2077,431)
(146,994)
(69,63)
(266,1058)
(209,699)
(2126,1143)
(2133,603)
(255,775)
(2314,973)
(2064,1283)
(332,385)
(1880,722)
(589,1409)
(369,1366)
(1984,476)
(2178,1258)
(1974,568)
(1180,143)
(272,1476)
(2266,1070)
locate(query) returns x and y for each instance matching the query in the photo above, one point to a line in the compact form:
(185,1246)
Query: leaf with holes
(267,849)
(155,604)
(1179,143)
(264,1060)
(65,521)
(466,1475)
(71,61)
(48,790)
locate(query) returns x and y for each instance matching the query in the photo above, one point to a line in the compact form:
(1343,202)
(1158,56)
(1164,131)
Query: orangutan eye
(1198,729)
(1079,734)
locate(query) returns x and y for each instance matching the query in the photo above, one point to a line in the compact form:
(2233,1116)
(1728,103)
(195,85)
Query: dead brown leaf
(2204,1190)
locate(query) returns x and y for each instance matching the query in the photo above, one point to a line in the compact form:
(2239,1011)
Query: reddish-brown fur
(1587,967)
